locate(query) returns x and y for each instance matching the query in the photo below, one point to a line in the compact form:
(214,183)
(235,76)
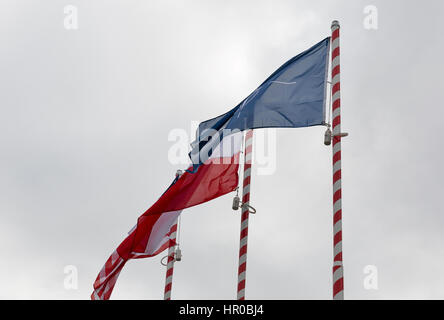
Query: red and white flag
(215,177)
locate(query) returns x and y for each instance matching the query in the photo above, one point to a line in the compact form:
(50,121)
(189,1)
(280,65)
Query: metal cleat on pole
(238,204)
(328,136)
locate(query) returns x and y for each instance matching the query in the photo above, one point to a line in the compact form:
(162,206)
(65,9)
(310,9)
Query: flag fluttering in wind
(217,176)
(293,96)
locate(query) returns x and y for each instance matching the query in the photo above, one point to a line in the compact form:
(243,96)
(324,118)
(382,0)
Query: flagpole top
(335,24)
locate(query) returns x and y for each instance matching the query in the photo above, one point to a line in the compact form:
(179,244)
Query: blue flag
(293,96)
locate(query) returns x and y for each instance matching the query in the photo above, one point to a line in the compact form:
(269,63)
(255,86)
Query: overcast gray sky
(85,118)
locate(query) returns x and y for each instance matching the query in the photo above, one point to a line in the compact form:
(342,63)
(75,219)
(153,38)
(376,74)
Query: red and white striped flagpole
(170,263)
(338,270)
(242,271)
(171,254)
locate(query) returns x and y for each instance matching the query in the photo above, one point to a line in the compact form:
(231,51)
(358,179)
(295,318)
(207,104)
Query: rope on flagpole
(245,216)
(338,270)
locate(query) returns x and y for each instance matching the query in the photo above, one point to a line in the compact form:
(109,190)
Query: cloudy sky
(85,119)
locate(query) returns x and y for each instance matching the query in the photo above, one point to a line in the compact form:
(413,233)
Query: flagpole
(170,262)
(338,270)
(242,271)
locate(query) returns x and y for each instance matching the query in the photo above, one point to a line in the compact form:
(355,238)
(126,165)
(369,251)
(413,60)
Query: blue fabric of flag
(294,96)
